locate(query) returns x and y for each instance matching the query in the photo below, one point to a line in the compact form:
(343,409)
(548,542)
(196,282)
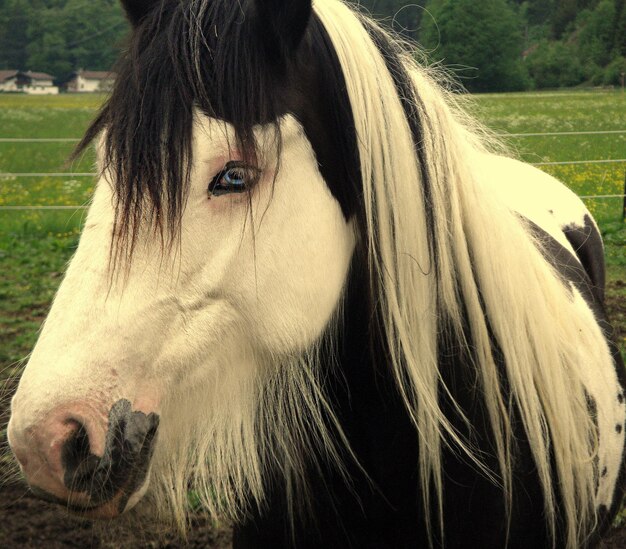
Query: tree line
(491,45)
(504,45)
(60,36)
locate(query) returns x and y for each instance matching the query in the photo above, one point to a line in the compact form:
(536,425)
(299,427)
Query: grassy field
(35,245)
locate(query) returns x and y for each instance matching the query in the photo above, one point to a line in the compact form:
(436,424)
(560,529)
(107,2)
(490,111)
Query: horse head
(260,258)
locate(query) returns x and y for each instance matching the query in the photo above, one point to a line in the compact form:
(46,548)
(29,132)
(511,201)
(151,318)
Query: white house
(34,83)
(8,81)
(39,83)
(90,81)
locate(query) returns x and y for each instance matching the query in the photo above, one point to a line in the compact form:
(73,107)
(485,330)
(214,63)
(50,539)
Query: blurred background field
(35,244)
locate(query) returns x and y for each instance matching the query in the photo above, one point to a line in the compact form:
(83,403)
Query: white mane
(485,254)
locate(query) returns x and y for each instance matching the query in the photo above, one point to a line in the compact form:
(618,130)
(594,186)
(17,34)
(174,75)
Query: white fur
(534,194)
(242,284)
(545,201)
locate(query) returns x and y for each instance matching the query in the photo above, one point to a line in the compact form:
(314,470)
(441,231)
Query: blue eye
(236,177)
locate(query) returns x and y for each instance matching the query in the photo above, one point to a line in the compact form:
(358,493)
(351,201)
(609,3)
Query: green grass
(35,267)
(45,191)
(36,245)
(41,157)
(562,111)
(64,116)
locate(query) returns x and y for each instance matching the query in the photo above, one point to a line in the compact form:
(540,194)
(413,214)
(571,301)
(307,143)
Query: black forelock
(179,59)
(209,56)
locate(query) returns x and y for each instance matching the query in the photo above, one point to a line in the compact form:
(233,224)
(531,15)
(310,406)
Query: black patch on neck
(318,98)
(587,243)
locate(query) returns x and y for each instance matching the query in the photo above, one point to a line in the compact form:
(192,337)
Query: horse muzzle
(91,466)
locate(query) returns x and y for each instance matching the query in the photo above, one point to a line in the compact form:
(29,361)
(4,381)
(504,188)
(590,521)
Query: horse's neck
(386,442)
(364,392)
(381,503)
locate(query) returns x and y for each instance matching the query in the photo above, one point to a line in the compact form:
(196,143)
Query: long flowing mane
(484,265)
(449,266)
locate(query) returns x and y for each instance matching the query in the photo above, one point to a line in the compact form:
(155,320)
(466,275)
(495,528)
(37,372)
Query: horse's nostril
(79,463)
(85,463)
(128,447)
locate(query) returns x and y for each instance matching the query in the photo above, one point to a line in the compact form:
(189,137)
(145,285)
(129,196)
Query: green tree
(484,35)
(555,65)
(619,32)
(596,34)
(612,75)
(65,36)
(565,13)
(403,16)
(538,12)
(14,21)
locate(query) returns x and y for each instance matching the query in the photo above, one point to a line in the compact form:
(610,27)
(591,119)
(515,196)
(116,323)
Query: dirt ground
(28,523)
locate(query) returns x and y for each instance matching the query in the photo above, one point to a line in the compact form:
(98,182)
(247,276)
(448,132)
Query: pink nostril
(60,460)
(55,444)
(79,463)
(47,449)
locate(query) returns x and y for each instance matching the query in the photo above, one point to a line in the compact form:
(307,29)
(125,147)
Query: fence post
(624,207)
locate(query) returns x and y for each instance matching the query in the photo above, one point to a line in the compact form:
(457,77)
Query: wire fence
(502,135)
(38,140)
(50,174)
(559,134)
(94,174)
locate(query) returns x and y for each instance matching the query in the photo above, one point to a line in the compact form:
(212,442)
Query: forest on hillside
(490,45)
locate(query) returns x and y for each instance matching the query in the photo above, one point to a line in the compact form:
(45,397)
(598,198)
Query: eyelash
(235,178)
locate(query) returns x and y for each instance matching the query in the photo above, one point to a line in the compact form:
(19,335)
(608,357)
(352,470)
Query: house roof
(39,75)
(96,75)
(5,75)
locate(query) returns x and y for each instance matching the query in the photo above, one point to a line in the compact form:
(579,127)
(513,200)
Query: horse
(316,294)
